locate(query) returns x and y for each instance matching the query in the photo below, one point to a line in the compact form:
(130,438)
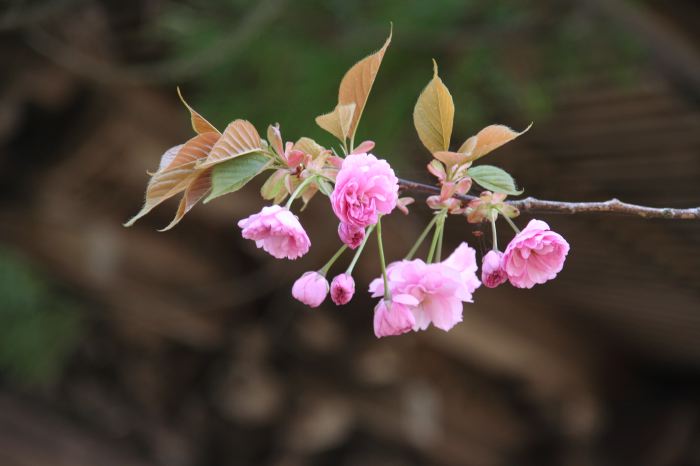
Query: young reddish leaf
(450,158)
(199,123)
(357,84)
(168,157)
(488,139)
(197,189)
(468,146)
(274,185)
(433,114)
(274,137)
(308,193)
(194,150)
(240,137)
(176,173)
(338,121)
(364,147)
(309,146)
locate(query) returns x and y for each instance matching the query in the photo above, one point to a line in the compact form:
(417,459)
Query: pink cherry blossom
(535,255)
(311,289)
(492,272)
(365,188)
(342,289)
(351,235)
(392,318)
(277,231)
(434,293)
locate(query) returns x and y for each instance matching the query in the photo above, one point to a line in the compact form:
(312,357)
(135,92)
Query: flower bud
(492,272)
(351,235)
(342,289)
(392,318)
(311,289)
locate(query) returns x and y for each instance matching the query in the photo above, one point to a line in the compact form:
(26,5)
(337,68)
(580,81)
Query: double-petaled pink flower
(277,231)
(365,188)
(492,271)
(535,255)
(433,293)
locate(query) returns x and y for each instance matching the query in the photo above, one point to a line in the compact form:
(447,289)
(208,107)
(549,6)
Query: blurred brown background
(131,347)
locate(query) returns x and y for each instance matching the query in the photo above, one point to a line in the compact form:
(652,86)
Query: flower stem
(510,222)
(299,189)
(494,216)
(436,235)
(421,238)
(387,292)
(358,253)
(438,251)
(331,261)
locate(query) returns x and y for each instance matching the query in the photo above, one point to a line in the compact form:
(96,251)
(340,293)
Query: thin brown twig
(531,204)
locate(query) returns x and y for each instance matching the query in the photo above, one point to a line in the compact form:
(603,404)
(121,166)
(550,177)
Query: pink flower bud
(492,273)
(351,235)
(311,289)
(392,318)
(342,289)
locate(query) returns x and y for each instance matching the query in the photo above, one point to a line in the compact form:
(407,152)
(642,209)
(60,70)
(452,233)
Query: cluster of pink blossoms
(421,294)
(418,293)
(414,293)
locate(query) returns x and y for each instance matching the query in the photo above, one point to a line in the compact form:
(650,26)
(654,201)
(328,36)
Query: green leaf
(232,175)
(325,187)
(494,179)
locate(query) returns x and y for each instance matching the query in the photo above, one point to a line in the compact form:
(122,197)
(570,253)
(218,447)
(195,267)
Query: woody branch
(531,204)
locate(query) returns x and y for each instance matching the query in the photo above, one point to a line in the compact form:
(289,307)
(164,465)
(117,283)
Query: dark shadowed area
(125,346)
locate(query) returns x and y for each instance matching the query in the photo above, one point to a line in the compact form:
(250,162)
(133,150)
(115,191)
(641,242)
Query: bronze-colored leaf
(338,121)
(433,114)
(450,158)
(490,138)
(199,123)
(168,157)
(274,185)
(274,138)
(357,83)
(177,173)
(194,150)
(468,146)
(240,137)
(309,146)
(198,188)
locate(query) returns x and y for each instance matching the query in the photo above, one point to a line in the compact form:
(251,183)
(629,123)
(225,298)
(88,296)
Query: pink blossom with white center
(434,293)
(365,188)
(311,289)
(278,231)
(534,255)
(492,272)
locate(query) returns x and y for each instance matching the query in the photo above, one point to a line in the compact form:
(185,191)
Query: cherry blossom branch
(531,204)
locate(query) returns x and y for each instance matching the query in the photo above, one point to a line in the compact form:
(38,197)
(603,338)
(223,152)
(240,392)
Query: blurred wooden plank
(32,436)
